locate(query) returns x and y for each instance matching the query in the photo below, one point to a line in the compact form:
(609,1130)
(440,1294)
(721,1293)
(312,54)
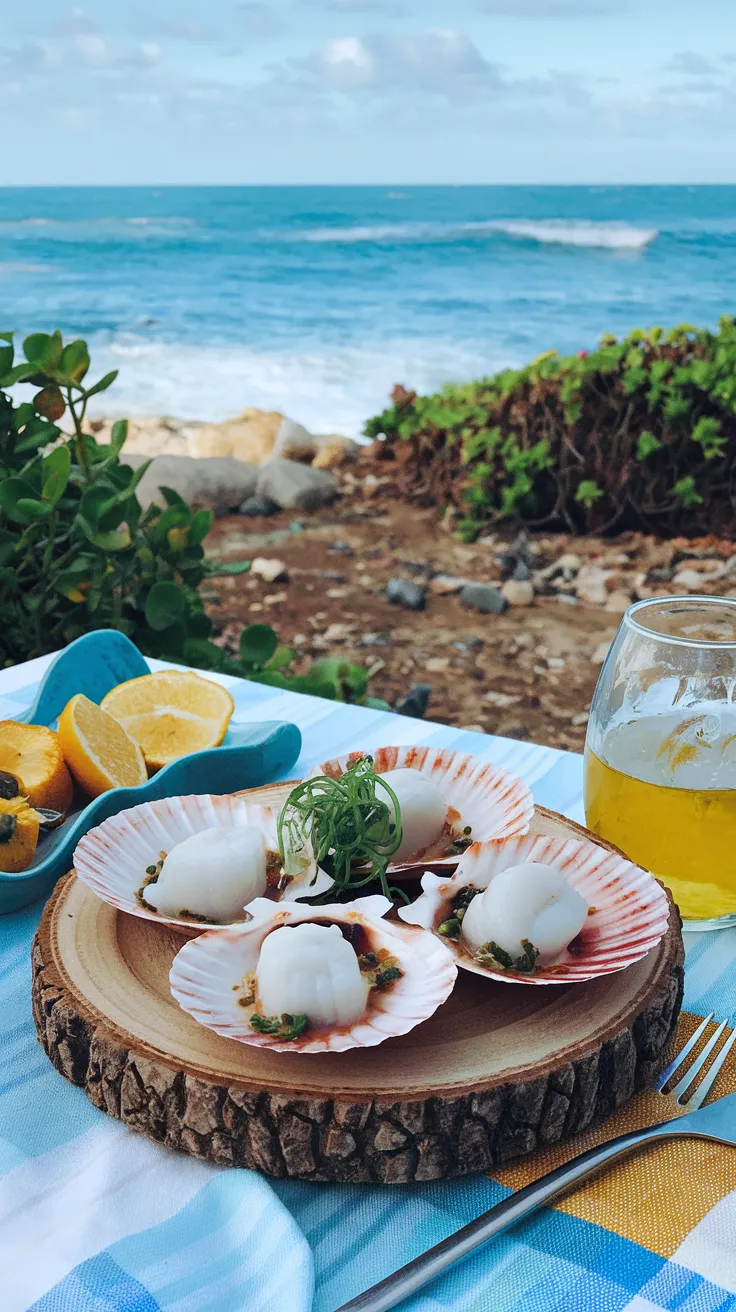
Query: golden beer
(663,789)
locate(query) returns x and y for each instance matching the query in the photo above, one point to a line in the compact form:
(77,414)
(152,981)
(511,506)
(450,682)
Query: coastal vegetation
(637,434)
(78,552)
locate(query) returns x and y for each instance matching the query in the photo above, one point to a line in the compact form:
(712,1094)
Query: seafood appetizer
(193,861)
(540,910)
(439,802)
(296,978)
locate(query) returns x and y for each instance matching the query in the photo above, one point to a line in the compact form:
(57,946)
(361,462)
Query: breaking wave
(548,232)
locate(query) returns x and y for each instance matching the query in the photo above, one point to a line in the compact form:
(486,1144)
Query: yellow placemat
(657,1195)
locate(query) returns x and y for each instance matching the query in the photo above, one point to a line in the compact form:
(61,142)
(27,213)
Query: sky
(368,91)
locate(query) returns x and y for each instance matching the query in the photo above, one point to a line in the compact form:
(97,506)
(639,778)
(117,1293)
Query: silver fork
(717,1122)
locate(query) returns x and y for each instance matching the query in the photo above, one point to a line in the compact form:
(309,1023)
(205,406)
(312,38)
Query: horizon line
(405,186)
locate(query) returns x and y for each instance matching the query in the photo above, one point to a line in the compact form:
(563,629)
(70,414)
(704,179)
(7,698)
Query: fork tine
(688,1078)
(677,1061)
(704,1089)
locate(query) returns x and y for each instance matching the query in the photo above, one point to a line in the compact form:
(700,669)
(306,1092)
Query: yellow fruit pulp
(171,713)
(98,751)
(34,755)
(19,825)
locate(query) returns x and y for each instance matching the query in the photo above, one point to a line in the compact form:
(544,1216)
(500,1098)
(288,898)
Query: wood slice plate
(497,1072)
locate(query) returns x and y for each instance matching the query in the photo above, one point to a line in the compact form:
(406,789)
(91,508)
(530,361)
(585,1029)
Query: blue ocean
(316,300)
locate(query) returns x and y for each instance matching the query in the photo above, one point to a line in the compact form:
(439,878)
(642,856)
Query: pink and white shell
(494,802)
(629,910)
(206,972)
(112,858)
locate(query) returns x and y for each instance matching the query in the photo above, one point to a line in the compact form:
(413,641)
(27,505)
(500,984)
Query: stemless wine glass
(660,755)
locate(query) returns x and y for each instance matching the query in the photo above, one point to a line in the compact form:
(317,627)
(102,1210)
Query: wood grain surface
(497,1072)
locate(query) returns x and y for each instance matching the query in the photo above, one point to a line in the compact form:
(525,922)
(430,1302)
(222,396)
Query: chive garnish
(352,825)
(279,1027)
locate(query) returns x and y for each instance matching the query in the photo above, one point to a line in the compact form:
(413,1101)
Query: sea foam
(558,232)
(330,390)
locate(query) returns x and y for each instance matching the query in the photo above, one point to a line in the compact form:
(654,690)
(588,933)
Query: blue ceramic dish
(252,754)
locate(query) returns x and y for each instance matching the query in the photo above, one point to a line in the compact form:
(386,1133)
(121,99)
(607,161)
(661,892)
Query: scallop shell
(494,802)
(628,915)
(112,858)
(206,972)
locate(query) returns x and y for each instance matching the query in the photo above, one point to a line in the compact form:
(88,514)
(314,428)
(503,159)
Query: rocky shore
(506,635)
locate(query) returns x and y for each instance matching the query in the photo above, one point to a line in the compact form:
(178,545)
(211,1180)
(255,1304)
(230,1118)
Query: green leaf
(16,494)
(588,493)
(6,360)
(39,432)
(165,605)
(647,445)
(172,497)
(94,502)
(687,492)
(282,657)
(32,510)
(57,467)
(7,337)
(102,385)
(178,516)
(258,643)
(75,360)
(221,568)
(201,653)
(43,350)
(118,435)
(20,373)
(115,540)
(201,525)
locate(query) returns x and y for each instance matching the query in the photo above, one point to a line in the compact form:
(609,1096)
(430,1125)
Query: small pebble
(518,592)
(273,571)
(403,592)
(416,701)
(483,597)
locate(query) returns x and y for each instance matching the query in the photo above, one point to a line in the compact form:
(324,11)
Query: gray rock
(294,441)
(416,701)
(484,598)
(256,505)
(295,487)
(402,592)
(340,548)
(217,483)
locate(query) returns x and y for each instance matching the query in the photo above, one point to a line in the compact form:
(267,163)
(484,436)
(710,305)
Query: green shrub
(77,552)
(640,433)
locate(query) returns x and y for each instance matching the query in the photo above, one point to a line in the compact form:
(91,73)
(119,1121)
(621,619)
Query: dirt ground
(528,673)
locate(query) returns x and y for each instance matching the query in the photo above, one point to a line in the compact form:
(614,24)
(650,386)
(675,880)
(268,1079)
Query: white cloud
(346,61)
(438,62)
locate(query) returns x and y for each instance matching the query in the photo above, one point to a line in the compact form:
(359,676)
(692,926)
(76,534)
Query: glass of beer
(660,755)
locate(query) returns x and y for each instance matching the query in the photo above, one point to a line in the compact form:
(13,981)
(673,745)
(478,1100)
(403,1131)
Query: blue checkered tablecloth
(94,1218)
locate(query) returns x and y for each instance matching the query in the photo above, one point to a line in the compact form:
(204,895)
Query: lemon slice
(34,755)
(171,714)
(98,751)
